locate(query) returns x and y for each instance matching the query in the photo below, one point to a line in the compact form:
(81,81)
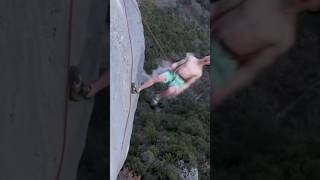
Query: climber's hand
(173,66)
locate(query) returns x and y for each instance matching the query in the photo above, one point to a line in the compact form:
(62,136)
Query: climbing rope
(146,24)
(66,96)
(130,41)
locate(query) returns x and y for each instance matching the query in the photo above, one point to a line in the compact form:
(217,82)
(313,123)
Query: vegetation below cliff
(180,131)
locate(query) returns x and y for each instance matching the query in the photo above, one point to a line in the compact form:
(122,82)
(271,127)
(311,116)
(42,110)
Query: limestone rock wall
(125,67)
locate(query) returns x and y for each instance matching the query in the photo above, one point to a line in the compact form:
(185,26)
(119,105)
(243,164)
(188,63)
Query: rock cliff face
(126,66)
(33,76)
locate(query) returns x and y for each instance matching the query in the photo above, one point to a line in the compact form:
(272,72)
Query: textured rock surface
(189,175)
(32,69)
(186,174)
(121,77)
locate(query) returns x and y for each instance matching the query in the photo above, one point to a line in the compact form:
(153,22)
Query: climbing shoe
(155,100)
(78,91)
(134,89)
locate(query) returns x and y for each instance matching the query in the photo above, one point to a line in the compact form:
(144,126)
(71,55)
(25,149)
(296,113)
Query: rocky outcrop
(126,32)
(186,173)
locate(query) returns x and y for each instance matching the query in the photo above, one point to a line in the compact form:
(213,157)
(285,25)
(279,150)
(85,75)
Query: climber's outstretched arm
(173,66)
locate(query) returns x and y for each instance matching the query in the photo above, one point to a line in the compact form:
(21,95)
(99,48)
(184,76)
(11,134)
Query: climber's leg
(150,82)
(100,84)
(80,91)
(170,92)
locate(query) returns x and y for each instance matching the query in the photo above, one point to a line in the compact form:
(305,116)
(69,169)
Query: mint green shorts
(223,66)
(173,79)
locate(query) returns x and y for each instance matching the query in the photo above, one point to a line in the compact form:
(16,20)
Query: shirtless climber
(181,76)
(248,36)
(80,91)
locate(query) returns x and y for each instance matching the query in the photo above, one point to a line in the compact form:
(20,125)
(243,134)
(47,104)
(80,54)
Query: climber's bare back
(252,26)
(191,68)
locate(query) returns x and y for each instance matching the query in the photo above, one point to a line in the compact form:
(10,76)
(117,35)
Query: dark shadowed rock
(126,32)
(33,53)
